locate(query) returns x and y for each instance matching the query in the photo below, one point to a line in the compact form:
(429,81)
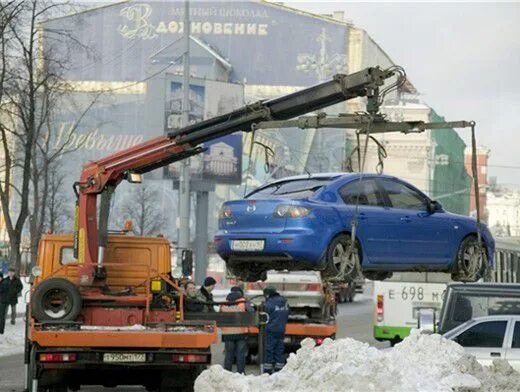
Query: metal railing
(506,268)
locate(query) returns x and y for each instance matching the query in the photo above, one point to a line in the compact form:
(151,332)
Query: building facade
(482,165)
(503,212)
(266,49)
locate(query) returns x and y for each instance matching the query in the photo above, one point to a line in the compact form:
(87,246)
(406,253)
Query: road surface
(354,320)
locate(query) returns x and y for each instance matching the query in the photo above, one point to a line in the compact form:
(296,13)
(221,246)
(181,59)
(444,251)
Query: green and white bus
(400,300)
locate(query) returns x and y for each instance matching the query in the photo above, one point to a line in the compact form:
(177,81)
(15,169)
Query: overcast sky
(463,57)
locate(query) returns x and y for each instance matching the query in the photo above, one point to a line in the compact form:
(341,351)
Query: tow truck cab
(132,333)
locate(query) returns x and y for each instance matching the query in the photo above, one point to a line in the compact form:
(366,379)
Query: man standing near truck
(13,290)
(235,338)
(205,296)
(278,311)
(3,306)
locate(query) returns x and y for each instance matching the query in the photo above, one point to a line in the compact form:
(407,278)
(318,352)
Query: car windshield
(290,189)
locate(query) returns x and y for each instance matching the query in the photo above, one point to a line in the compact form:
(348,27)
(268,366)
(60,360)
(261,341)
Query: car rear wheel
(471,262)
(340,262)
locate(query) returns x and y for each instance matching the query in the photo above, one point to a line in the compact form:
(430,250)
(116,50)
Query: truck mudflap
(187,334)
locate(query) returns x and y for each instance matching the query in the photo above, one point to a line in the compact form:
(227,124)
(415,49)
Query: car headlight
(289,211)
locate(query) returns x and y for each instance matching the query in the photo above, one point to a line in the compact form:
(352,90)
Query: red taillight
(290,211)
(190,358)
(318,341)
(380,308)
(58,357)
(312,287)
(225,212)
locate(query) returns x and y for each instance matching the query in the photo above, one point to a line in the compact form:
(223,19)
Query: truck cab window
(67,256)
(485,334)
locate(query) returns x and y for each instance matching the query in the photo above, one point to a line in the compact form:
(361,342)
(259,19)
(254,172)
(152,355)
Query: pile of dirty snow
(12,341)
(419,363)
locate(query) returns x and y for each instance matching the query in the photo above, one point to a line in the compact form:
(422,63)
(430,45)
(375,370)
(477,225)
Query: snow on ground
(11,342)
(426,363)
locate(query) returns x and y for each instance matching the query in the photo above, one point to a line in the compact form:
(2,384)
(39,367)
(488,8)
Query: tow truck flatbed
(179,335)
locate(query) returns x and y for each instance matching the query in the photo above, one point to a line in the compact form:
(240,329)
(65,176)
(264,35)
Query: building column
(201,236)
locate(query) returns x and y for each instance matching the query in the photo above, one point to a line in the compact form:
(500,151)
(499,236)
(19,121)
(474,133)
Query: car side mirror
(434,206)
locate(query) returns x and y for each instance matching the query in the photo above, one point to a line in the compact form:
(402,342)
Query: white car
(302,289)
(489,338)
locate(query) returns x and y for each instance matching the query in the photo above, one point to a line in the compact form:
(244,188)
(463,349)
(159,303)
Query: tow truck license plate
(247,245)
(124,357)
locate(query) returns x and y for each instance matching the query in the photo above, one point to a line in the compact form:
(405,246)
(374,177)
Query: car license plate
(247,245)
(124,357)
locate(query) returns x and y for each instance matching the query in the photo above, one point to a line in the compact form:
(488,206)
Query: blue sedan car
(306,223)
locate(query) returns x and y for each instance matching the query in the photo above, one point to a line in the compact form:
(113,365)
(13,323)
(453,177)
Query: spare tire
(56,299)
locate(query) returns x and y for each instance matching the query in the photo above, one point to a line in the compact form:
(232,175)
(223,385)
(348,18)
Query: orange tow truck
(132,333)
(105,308)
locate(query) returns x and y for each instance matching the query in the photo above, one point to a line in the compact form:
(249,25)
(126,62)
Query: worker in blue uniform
(278,311)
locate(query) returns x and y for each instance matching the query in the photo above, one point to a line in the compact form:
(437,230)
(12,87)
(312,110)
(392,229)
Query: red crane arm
(101,177)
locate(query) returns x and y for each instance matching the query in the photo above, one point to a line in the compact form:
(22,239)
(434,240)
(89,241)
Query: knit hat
(269,291)
(237,289)
(209,281)
(233,296)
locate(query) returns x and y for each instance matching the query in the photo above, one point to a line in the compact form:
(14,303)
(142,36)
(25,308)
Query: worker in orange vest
(235,338)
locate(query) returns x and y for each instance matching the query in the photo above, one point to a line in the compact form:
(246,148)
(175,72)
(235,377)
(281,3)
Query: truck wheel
(56,299)
(470,265)
(336,259)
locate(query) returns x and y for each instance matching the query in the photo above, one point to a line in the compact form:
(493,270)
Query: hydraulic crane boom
(102,176)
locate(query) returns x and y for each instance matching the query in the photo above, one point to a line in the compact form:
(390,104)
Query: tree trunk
(15,257)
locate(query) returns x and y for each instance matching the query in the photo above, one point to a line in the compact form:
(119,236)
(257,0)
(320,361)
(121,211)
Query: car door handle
(494,354)
(362,216)
(406,219)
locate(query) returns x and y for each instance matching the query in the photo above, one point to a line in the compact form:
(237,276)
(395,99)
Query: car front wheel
(471,261)
(342,262)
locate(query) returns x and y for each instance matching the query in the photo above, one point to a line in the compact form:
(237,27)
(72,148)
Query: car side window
(402,196)
(485,334)
(516,336)
(365,190)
